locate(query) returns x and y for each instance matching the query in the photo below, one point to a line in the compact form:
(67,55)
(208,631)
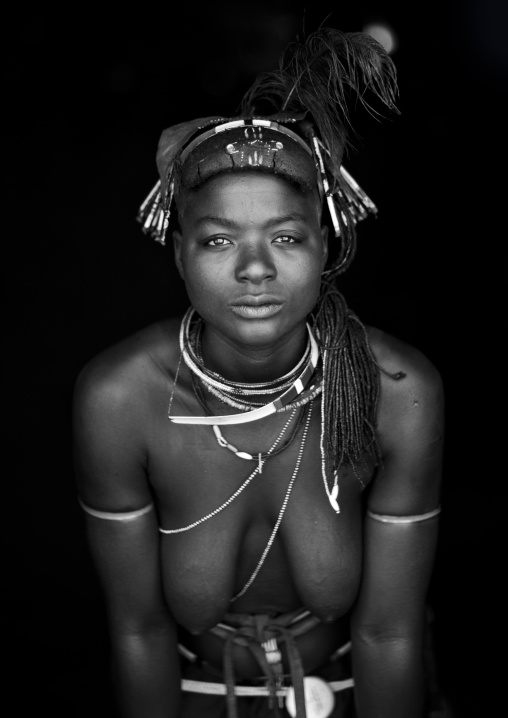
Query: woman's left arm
(388,620)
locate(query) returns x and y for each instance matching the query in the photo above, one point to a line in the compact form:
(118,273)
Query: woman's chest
(265,523)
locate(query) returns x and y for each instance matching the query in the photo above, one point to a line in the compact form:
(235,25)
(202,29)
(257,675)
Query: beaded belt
(220,689)
(318,701)
(262,635)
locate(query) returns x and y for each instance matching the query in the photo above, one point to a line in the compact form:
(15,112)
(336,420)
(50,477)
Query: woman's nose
(255,264)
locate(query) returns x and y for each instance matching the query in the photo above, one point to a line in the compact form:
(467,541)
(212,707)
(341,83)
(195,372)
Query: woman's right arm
(110,470)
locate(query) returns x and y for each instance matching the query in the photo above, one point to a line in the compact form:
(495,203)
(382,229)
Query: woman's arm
(142,633)
(110,458)
(388,620)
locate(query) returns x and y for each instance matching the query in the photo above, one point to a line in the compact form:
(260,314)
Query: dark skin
(248,235)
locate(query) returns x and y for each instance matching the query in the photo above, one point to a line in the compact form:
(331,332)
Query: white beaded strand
(174,384)
(282,509)
(244,454)
(215,511)
(310,394)
(233,496)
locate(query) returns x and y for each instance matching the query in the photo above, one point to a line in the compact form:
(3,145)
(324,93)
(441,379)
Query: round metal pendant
(319,698)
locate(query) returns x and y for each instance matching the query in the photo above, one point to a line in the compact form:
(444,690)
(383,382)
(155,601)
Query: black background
(87,96)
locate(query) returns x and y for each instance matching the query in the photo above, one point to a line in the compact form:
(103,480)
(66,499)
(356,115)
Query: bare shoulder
(395,356)
(410,429)
(120,374)
(115,400)
(413,402)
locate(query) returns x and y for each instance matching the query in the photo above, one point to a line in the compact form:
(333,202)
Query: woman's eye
(217,242)
(285,239)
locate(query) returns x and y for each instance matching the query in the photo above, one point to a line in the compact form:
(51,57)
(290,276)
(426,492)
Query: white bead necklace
(259,457)
(278,404)
(243,486)
(237,493)
(195,362)
(282,509)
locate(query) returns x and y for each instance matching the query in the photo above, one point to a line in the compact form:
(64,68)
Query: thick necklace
(260,457)
(283,402)
(193,346)
(304,398)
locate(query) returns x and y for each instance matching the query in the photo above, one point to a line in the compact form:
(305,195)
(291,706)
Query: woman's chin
(267,331)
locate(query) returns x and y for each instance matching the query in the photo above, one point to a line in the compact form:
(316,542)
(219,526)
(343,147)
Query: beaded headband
(255,151)
(318,76)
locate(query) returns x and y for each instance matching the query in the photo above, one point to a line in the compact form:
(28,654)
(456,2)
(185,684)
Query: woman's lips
(259,311)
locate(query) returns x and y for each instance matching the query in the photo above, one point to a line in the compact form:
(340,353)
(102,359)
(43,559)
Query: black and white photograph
(254,360)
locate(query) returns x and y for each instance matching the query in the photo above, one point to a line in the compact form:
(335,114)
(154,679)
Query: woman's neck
(238,362)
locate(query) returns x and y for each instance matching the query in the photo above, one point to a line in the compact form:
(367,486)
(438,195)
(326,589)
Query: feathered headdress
(308,95)
(317,78)
(304,105)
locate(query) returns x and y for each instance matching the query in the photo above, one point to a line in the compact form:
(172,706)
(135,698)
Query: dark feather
(319,76)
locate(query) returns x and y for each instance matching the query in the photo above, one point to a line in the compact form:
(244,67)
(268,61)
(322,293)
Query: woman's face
(251,252)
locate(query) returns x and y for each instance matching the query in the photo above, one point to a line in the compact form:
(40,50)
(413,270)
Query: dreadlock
(315,78)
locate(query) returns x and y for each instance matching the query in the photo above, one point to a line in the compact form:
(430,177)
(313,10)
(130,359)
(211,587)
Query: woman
(261,479)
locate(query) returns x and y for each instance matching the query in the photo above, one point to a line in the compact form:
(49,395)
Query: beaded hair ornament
(256,151)
(309,92)
(294,122)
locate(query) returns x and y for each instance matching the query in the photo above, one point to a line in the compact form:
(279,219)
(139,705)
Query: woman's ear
(324,235)
(177,246)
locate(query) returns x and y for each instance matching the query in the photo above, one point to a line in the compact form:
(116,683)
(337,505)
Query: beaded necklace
(186,343)
(192,356)
(260,457)
(282,510)
(283,402)
(193,347)
(235,494)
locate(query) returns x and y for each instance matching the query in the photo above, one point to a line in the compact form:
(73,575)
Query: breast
(315,560)
(324,554)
